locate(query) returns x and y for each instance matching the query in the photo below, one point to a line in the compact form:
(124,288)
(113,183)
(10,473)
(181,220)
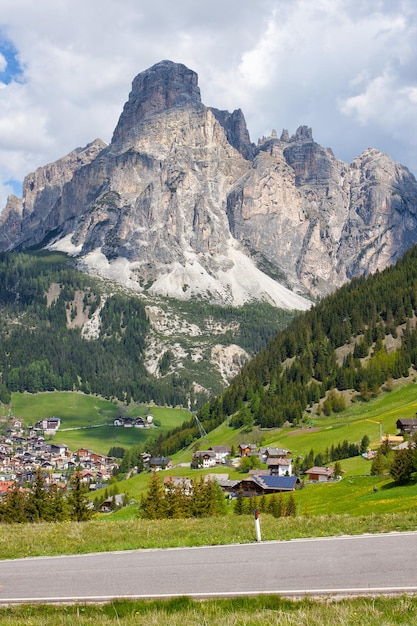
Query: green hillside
(353,495)
(87,421)
(346,347)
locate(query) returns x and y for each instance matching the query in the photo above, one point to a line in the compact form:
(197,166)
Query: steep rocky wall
(188,206)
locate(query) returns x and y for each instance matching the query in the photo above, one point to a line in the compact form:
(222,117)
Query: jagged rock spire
(161,87)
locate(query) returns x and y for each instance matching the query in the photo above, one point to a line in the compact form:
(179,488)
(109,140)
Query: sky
(345,68)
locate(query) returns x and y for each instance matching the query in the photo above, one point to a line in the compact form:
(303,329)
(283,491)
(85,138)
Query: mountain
(182,204)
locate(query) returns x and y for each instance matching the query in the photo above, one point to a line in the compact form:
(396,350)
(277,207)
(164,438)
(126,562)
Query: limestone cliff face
(11,222)
(181,203)
(26,222)
(319,221)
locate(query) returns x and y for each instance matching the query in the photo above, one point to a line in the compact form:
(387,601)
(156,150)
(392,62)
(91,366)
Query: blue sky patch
(13,70)
(16,186)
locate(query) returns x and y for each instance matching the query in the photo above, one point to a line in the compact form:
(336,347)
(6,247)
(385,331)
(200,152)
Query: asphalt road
(366,564)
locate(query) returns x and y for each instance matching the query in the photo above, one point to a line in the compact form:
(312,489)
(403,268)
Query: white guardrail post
(257,525)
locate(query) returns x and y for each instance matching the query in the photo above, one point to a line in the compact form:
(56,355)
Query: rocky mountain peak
(163,86)
(303,133)
(182,204)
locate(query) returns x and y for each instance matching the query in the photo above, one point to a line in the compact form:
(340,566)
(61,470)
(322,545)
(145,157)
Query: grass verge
(49,539)
(230,612)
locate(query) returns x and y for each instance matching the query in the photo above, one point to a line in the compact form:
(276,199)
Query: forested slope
(41,350)
(358,338)
(60,329)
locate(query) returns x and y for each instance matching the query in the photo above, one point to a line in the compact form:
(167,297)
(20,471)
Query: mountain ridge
(182,204)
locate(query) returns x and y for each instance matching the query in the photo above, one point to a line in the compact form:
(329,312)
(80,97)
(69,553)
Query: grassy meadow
(242,611)
(350,506)
(99,535)
(86,420)
(354,495)
(319,433)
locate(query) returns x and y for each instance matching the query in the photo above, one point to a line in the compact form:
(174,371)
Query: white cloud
(344,67)
(255,67)
(384,100)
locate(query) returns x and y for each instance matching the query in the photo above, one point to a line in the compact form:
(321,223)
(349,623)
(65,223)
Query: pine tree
(291,508)
(78,503)
(200,502)
(239,507)
(364,444)
(58,504)
(38,503)
(174,500)
(13,509)
(216,504)
(152,503)
(275,506)
(402,466)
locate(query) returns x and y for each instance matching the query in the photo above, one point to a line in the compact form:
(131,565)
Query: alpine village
(194,325)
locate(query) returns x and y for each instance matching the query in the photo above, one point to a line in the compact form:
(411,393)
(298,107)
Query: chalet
(95,457)
(407,426)
(5,487)
(28,457)
(146,459)
(275,453)
(180,482)
(279,466)
(87,476)
(221,452)
(82,453)
(227,485)
(263,485)
(204,458)
(48,425)
(58,449)
(111,503)
(90,458)
(129,422)
(246,448)
(160,463)
(320,474)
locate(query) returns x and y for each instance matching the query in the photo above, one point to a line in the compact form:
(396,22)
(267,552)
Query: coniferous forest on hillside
(361,337)
(41,352)
(43,348)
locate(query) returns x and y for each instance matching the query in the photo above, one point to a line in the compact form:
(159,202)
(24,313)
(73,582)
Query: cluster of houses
(134,422)
(277,460)
(277,477)
(22,452)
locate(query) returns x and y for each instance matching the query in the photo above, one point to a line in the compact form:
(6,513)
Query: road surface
(366,564)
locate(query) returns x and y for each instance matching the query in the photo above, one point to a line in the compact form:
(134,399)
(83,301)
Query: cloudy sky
(346,68)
